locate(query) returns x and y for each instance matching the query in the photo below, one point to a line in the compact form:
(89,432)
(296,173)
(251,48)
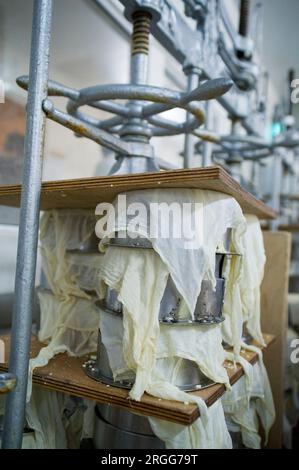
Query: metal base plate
(171,322)
(90,368)
(202,321)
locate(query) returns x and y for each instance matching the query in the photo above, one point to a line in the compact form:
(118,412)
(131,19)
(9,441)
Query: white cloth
(232,326)
(250,402)
(244,276)
(140,346)
(72,228)
(200,435)
(61,231)
(83,268)
(69,317)
(190,257)
(69,325)
(254,259)
(55,420)
(199,344)
(140,277)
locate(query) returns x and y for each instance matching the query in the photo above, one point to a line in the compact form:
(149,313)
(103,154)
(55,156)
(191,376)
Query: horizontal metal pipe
(54,88)
(209,90)
(97,135)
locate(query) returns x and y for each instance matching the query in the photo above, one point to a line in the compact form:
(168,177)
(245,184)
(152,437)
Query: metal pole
(276,186)
(235,160)
(29,223)
(207,146)
(189,138)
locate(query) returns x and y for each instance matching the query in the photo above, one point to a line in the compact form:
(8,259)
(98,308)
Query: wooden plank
(65,374)
(289,228)
(274,301)
(88,192)
(294,228)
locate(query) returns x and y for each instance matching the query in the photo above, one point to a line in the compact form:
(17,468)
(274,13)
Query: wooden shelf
(88,192)
(294,197)
(289,227)
(65,374)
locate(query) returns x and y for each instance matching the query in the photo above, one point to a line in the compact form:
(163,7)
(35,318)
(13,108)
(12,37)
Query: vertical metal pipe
(189,138)
(207,146)
(29,223)
(276,186)
(235,160)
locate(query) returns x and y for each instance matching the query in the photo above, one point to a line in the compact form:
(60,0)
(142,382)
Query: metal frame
(29,223)
(173,32)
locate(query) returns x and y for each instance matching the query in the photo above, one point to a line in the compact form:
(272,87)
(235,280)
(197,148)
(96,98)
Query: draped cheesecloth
(251,398)
(69,323)
(140,276)
(254,260)
(242,294)
(64,322)
(250,402)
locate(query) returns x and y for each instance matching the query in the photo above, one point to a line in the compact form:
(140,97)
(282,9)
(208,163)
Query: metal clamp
(128,133)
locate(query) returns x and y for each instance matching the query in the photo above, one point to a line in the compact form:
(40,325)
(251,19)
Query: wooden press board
(274,304)
(65,374)
(88,192)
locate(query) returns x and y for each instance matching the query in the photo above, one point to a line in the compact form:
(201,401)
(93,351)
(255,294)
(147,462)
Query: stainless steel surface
(7,382)
(29,222)
(190,377)
(209,305)
(107,436)
(125,420)
(111,301)
(99,368)
(125,241)
(208,308)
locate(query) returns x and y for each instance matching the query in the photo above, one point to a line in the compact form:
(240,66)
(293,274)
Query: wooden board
(294,197)
(88,192)
(274,301)
(289,228)
(282,227)
(65,374)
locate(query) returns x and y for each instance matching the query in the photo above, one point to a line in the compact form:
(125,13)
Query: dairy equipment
(128,133)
